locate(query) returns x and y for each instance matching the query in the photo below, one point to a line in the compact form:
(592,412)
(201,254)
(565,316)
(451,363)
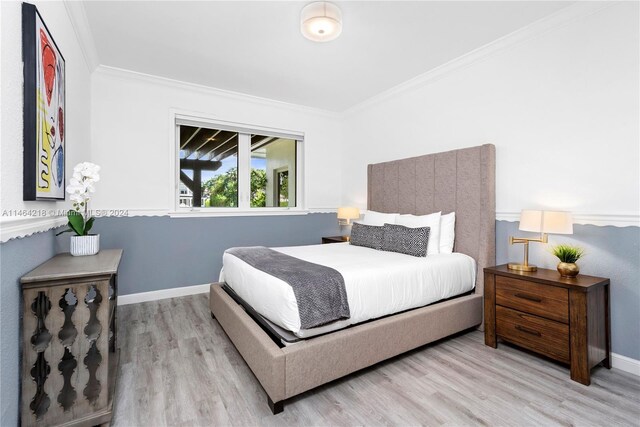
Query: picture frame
(44,112)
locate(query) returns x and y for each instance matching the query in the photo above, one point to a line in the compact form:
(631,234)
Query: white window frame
(178,118)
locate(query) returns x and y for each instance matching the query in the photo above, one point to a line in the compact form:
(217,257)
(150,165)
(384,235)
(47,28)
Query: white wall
(132,137)
(78,89)
(561,108)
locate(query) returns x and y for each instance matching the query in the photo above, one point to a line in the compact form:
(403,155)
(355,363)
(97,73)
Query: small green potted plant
(568,255)
(80,189)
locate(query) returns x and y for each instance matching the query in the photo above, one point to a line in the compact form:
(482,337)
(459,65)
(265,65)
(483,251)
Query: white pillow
(378,218)
(447,232)
(432,221)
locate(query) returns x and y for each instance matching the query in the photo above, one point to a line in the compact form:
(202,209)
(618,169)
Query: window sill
(213,212)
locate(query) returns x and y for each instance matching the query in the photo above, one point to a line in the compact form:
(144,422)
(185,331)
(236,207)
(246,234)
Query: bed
(378,283)
(462,181)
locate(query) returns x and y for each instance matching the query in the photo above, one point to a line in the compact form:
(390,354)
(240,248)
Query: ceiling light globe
(321,21)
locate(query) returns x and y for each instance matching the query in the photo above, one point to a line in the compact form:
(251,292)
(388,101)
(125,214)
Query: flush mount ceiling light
(321,21)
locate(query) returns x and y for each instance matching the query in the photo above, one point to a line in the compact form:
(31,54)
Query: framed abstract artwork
(44,110)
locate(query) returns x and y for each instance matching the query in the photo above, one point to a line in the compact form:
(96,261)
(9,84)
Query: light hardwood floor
(177,367)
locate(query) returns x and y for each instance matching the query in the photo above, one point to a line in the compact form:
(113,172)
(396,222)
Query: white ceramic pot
(85,245)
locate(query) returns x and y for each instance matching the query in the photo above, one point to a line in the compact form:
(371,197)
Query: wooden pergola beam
(186,180)
(206,136)
(261,142)
(213,152)
(195,184)
(186,135)
(203,165)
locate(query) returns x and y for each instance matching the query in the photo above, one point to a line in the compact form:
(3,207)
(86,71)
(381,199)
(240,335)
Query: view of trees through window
(220,191)
(210,167)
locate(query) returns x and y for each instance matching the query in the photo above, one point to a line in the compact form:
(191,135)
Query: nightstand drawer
(535,333)
(546,301)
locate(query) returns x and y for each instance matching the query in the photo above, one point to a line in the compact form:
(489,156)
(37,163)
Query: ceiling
(256,47)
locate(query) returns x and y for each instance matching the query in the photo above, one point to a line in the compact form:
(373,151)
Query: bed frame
(462,181)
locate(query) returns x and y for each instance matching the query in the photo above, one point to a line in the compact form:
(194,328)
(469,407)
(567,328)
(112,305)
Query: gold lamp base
(521,267)
(525,266)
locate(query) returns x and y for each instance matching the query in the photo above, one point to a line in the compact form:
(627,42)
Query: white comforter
(378,283)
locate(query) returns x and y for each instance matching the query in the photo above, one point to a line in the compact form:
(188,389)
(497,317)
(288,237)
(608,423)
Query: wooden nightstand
(565,319)
(335,239)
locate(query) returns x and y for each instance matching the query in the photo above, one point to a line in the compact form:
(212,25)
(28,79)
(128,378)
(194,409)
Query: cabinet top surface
(543,275)
(336,238)
(66,266)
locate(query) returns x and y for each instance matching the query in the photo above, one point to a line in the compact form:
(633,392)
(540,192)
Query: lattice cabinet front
(69,353)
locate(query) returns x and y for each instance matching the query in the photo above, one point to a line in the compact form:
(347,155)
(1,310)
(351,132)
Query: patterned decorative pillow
(406,240)
(369,236)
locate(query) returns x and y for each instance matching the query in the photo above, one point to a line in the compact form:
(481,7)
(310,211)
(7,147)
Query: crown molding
(616,220)
(24,226)
(236,96)
(80,23)
(555,20)
(77,15)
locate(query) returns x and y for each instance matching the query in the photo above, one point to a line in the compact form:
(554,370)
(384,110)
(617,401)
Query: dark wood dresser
(566,319)
(335,239)
(69,352)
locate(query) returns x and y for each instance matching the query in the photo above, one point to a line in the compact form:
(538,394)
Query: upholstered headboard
(461,180)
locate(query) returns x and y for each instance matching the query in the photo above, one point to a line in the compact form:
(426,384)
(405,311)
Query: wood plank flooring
(178,368)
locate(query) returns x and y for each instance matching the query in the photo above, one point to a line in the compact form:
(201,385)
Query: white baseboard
(162,294)
(625,364)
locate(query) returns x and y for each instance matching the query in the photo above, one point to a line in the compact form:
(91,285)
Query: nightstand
(567,320)
(335,239)
(69,348)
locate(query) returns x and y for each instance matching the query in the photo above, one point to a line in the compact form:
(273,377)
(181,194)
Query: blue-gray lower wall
(17,257)
(164,252)
(612,252)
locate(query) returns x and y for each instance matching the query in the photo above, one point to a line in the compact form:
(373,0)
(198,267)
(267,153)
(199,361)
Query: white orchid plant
(80,188)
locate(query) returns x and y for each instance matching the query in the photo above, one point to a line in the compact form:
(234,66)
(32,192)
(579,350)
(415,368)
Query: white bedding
(378,283)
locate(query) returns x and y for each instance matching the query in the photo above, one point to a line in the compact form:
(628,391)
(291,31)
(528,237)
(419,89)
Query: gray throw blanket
(319,290)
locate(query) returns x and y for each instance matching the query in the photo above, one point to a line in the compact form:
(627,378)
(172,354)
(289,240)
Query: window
(271,159)
(236,168)
(208,167)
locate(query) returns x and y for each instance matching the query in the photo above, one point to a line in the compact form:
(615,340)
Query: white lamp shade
(552,222)
(531,220)
(348,213)
(557,222)
(321,21)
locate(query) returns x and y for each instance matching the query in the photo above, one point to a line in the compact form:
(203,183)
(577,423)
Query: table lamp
(346,214)
(543,222)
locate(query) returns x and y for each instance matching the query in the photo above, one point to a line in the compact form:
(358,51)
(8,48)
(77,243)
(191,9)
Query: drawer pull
(528,297)
(528,331)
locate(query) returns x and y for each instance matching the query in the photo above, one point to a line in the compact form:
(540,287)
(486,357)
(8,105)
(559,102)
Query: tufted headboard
(460,180)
